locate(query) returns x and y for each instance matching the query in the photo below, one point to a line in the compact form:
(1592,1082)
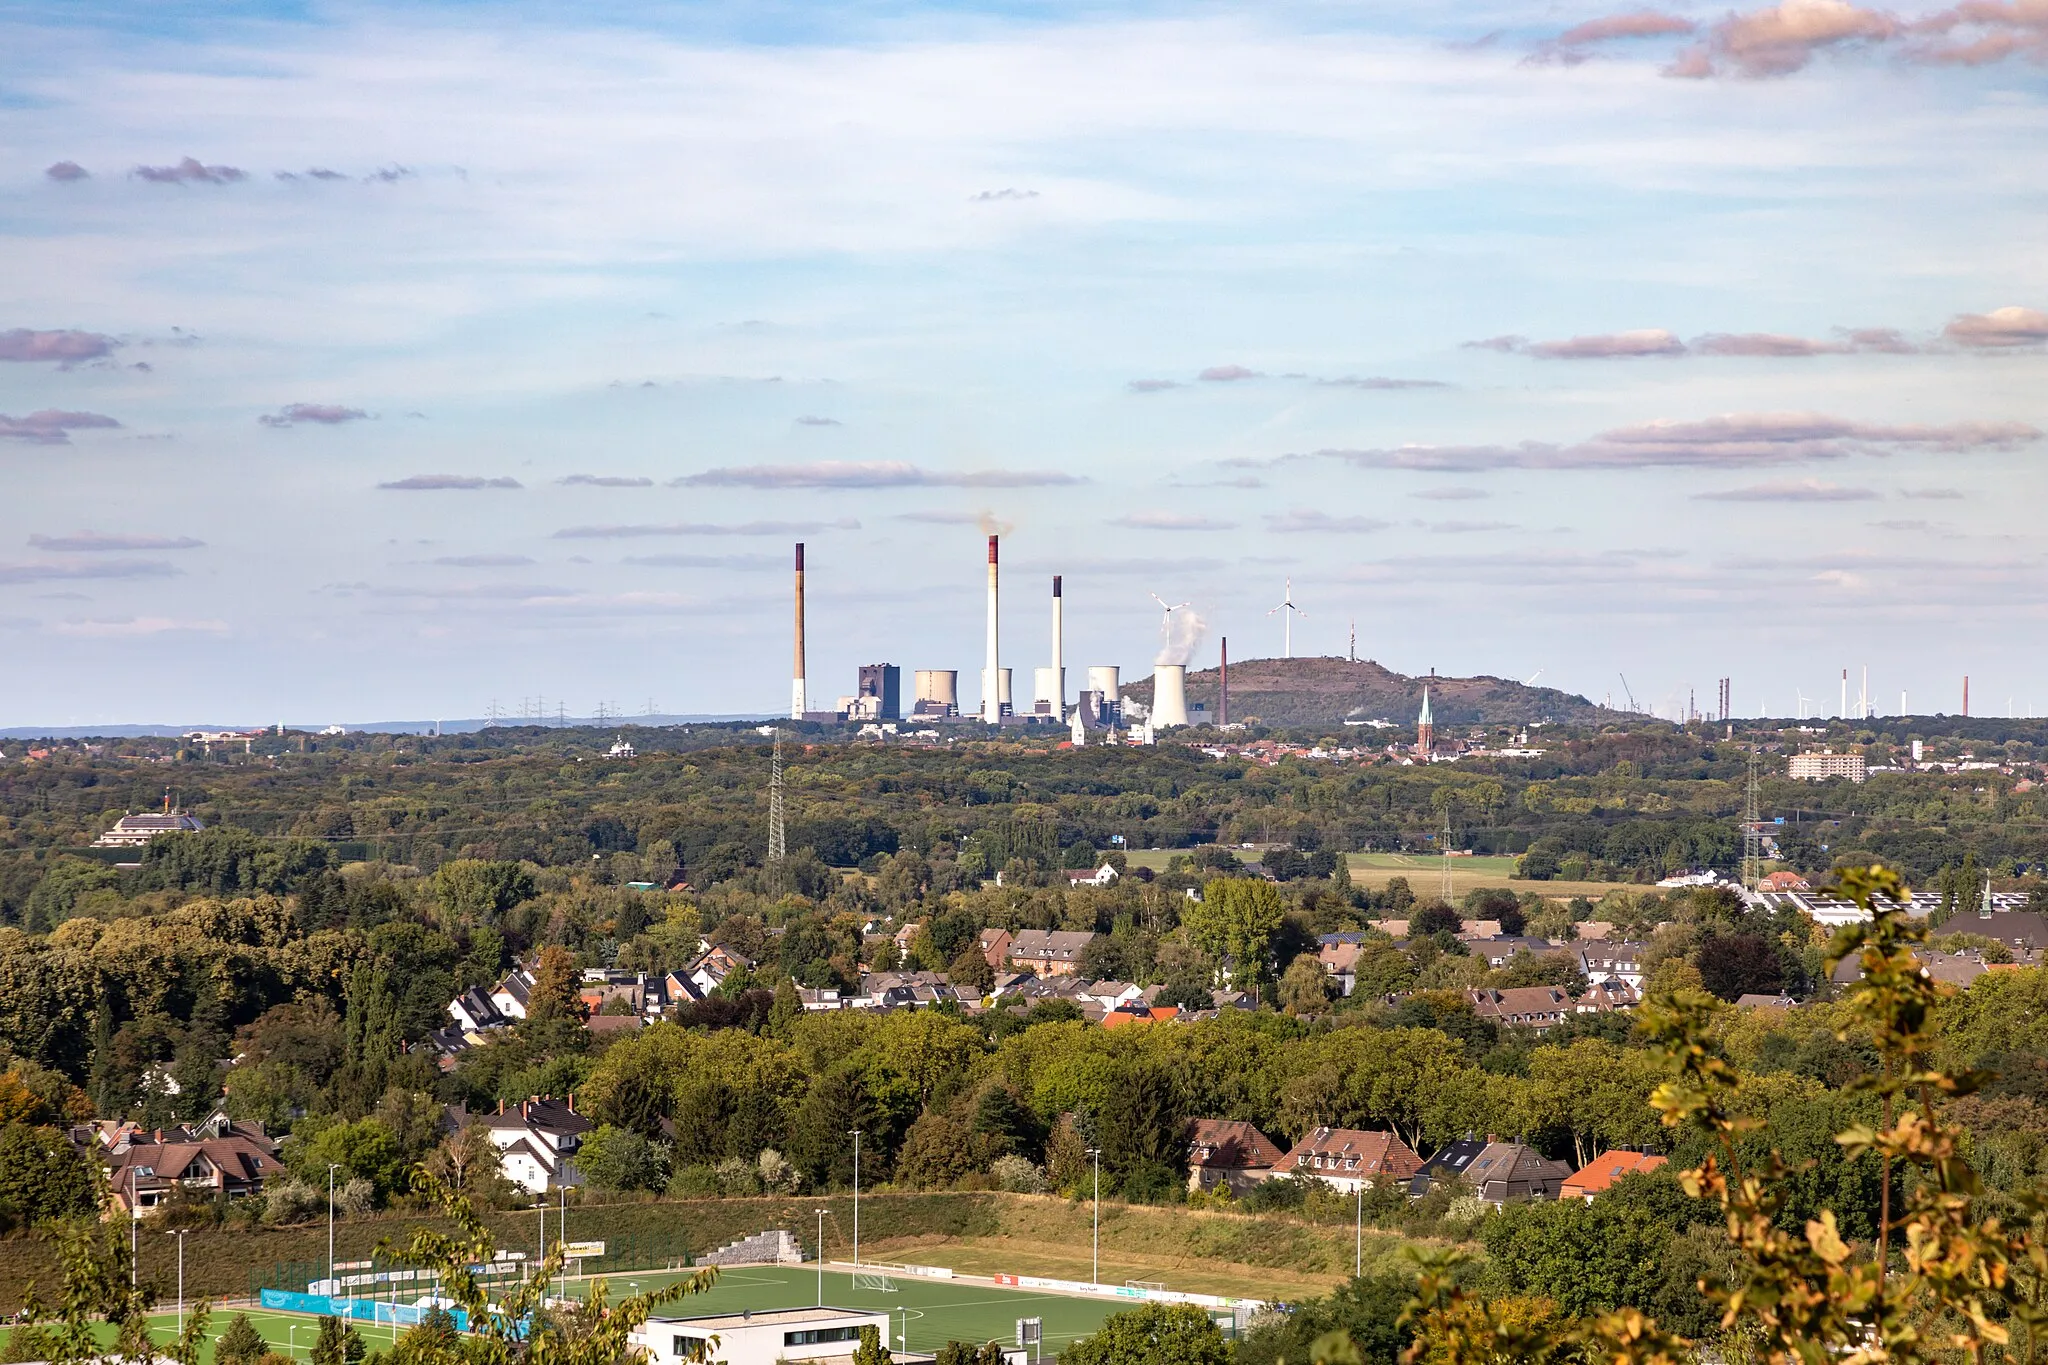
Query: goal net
(1144,1284)
(873,1280)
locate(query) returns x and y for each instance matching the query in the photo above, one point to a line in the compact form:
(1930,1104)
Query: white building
(792,1334)
(536,1141)
(135,831)
(1818,767)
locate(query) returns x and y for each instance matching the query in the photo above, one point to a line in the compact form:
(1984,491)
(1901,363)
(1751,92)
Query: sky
(361,362)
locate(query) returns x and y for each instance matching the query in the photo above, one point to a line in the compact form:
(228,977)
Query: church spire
(1425,731)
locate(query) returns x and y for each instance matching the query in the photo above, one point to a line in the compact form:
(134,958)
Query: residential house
(643,994)
(1500,950)
(1049,952)
(1514,1170)
(511,994)
(612,1025)
(1598,1175)
(146,1169)
(536,1140)
(1101,876)
(903,990)
(1135,1013)
(1602,959)
(1607,995)
(1448,1166)
(1230,1153)
(709,972)
(680,989)
(1754,1001)
(994,944)
(1348,1158)
(1533,1007)
(474,1012)
(1111,994)
(1340,960)
(821,998)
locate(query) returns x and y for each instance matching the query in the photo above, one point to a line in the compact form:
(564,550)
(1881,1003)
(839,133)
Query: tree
(1157,1334)
(1735,965)
(1237,920)
(1368,1310)
(872,1350)
(513,1325)
(970,972)
(42,1176)
(338,1344)
(467,1159)
(1434,918)
(621,1159)
(1306,987)
(241,1344)
(554,1009)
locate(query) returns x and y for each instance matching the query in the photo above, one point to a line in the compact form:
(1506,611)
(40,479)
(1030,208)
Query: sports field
(1424,873)
(928,1313)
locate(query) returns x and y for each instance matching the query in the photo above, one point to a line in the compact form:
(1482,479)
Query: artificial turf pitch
(925,1313)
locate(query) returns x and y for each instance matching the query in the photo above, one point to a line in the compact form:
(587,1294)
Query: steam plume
(1179,634)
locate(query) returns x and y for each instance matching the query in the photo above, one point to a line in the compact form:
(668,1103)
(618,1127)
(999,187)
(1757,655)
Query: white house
(746,1338)
(1101,876)
(509,995)
(536,1141)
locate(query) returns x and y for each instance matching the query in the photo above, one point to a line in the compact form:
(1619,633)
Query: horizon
(506,348)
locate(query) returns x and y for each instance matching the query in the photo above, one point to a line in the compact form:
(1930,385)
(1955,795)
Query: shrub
(1017,1174)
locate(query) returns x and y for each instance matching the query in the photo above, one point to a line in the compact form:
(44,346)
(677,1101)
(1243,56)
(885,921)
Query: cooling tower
(1045,692)
(939,685)
(1169,695)
(998,701)
(1104,680)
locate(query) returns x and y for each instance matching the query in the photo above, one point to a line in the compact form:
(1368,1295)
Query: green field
(1424,873)
(929,1313)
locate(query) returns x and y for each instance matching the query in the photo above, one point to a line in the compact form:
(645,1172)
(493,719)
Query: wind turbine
(1803,700)
(1288,612)
(1170,609)
(1530,681)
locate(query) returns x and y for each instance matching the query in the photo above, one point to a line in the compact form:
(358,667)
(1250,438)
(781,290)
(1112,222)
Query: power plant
(935,692)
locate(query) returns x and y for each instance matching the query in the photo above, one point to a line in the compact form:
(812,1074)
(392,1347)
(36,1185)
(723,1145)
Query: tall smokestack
(991,704)
(1224,705)
(1059,667)
(799,702)
(1966,694)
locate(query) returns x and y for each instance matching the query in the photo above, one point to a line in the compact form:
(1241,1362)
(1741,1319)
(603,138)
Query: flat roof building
(1818,767)
(792,1334)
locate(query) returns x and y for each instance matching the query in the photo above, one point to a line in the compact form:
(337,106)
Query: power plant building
(883,684)
(937,692)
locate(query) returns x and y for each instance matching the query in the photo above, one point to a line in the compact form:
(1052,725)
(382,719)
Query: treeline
(1624,806)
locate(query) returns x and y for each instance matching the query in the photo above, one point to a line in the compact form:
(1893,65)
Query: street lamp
(821,1258)
(332,1167)
(1358,1236)
(1095,1263)
(856,1201)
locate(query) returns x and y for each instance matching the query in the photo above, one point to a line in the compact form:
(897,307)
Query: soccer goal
(1144,1284)
(873,1280)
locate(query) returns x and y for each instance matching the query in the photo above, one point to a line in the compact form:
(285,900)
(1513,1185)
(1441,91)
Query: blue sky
(360,362)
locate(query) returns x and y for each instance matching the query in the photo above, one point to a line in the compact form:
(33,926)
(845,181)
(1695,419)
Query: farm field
(1424,873)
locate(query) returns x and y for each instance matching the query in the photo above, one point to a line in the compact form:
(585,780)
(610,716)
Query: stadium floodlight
(821,1258)
(1095,1257)
(856,1201)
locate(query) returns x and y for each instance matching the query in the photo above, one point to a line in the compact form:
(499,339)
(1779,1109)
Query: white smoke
(991,525)
(1179,634)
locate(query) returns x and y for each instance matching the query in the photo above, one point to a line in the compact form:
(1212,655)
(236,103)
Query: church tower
(1425,730)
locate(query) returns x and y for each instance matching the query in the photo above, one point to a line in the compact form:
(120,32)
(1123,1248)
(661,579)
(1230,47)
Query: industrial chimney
(1169,695)
(1059,667)
(991,704)
(1224,701)
(798,700)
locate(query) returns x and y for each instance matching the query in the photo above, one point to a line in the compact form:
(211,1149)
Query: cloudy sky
(361,362)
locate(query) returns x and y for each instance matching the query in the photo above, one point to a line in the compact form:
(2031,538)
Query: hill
(1330,691)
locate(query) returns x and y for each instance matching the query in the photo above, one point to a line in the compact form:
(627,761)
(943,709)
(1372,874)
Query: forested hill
(1328,691)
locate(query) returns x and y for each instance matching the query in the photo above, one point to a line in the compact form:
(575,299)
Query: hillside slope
(1329,691)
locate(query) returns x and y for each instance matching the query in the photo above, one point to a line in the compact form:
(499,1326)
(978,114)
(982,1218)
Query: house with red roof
(1349,1157)
(1598,1175)
(1229,1152)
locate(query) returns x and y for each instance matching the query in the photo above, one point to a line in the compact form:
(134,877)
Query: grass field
(1424,873)
(927,1313)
